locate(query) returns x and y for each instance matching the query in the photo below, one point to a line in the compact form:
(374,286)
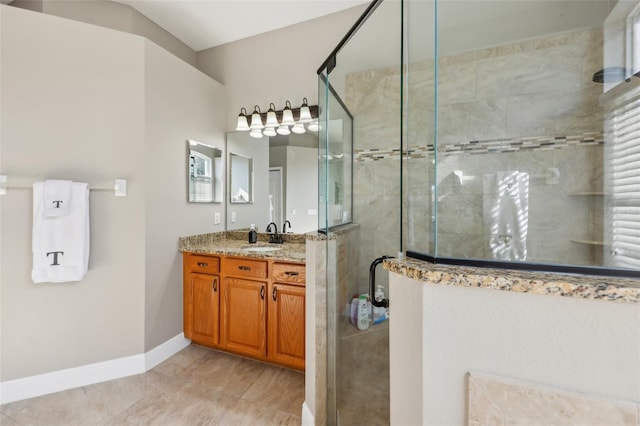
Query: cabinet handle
(262,292)
(202,264)
(215,284)
(274,293)
(244,268)
(291,274)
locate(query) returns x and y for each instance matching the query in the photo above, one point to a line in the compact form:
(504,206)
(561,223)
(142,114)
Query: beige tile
(482,409)
(223,372)
(71,407)
(242,412)
(178,409)
(528,404)
(196,386)
(278,388)
(19,420)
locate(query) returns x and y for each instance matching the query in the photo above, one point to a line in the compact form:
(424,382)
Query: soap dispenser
(253,235)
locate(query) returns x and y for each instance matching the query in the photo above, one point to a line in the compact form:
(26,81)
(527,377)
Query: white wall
(586,346)
(91,104)
(181,103)
(72,107)
(276,66)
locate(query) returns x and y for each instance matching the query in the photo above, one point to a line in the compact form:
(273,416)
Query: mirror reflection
(240,178)
(285,170)
(204,168)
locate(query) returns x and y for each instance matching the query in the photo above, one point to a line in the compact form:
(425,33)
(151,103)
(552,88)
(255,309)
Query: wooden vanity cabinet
(248,306)
(286,314)
(244,320)
(201,298)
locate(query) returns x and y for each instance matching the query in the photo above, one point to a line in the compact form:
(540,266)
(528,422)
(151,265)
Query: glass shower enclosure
(501,133)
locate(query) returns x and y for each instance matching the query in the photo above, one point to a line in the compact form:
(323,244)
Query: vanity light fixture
(283,130)
(287,120)
(269,131)
(279,122)
(298,128)
(243,124)
(272,120)
(305,113)
(287,115)
(255,133)
(256,119)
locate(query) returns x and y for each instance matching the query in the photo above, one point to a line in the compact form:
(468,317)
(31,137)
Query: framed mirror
(204,173)
(240,179)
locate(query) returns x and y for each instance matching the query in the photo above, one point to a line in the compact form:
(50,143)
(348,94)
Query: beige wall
(72,108)
(112,15)
(181,103)
(276,66)
(585,346)
(97,104)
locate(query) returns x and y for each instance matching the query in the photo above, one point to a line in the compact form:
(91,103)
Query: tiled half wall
(495,401)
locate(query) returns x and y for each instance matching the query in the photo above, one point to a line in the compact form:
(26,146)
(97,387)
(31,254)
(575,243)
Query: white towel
(56,197)
(506,214)
(60,244)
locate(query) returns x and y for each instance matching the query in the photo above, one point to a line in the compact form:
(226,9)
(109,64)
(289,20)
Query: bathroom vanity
(247,299)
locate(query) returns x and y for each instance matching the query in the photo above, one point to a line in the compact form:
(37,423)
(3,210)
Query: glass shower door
(360,166)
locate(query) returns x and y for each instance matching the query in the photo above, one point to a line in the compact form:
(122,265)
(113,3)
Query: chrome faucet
(274,237)
(284,226)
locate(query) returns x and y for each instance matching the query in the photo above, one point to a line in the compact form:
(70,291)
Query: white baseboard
(56,381)
(165,351)
(307,416)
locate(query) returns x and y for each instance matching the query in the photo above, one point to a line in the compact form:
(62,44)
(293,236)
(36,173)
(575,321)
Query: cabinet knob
(262,292)
(244,268)
(215,284)
(291,274)
(203,264)
(274,293)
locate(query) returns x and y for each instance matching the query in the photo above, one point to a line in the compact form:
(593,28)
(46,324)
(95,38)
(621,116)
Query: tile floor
(197,386)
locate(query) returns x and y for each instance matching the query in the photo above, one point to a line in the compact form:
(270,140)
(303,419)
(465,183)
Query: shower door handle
(384,303)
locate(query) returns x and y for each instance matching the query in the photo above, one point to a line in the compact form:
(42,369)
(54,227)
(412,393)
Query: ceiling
(202,24)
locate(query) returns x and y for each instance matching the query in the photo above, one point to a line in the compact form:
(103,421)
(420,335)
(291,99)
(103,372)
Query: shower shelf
(590,242)
(586,193)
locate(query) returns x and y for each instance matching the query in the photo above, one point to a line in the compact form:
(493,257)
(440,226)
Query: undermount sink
(262,248)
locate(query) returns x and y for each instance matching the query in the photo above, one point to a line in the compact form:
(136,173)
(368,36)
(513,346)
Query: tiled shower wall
(528,106)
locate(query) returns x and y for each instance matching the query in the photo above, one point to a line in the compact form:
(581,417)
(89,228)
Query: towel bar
(118,186)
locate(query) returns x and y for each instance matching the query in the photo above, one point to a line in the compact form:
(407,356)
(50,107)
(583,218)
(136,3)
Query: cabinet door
(243,325)
(286,324)
(204,310)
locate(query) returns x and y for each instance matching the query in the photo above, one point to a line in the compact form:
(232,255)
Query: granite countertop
(567,285)
(234,243)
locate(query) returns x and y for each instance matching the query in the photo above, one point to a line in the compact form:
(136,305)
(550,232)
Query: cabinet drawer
(202,264)
(289,273)
(243,267)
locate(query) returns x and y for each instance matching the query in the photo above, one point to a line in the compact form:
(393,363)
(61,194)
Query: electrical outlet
(216,218)
(233,217)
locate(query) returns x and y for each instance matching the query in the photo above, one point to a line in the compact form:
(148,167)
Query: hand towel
(60,244)
(56,197)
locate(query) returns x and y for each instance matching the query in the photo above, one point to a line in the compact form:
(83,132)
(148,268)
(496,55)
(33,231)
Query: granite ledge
(230,244)
(581,286)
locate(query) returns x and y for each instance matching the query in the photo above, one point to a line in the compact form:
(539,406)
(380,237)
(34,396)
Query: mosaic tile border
(493,146)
